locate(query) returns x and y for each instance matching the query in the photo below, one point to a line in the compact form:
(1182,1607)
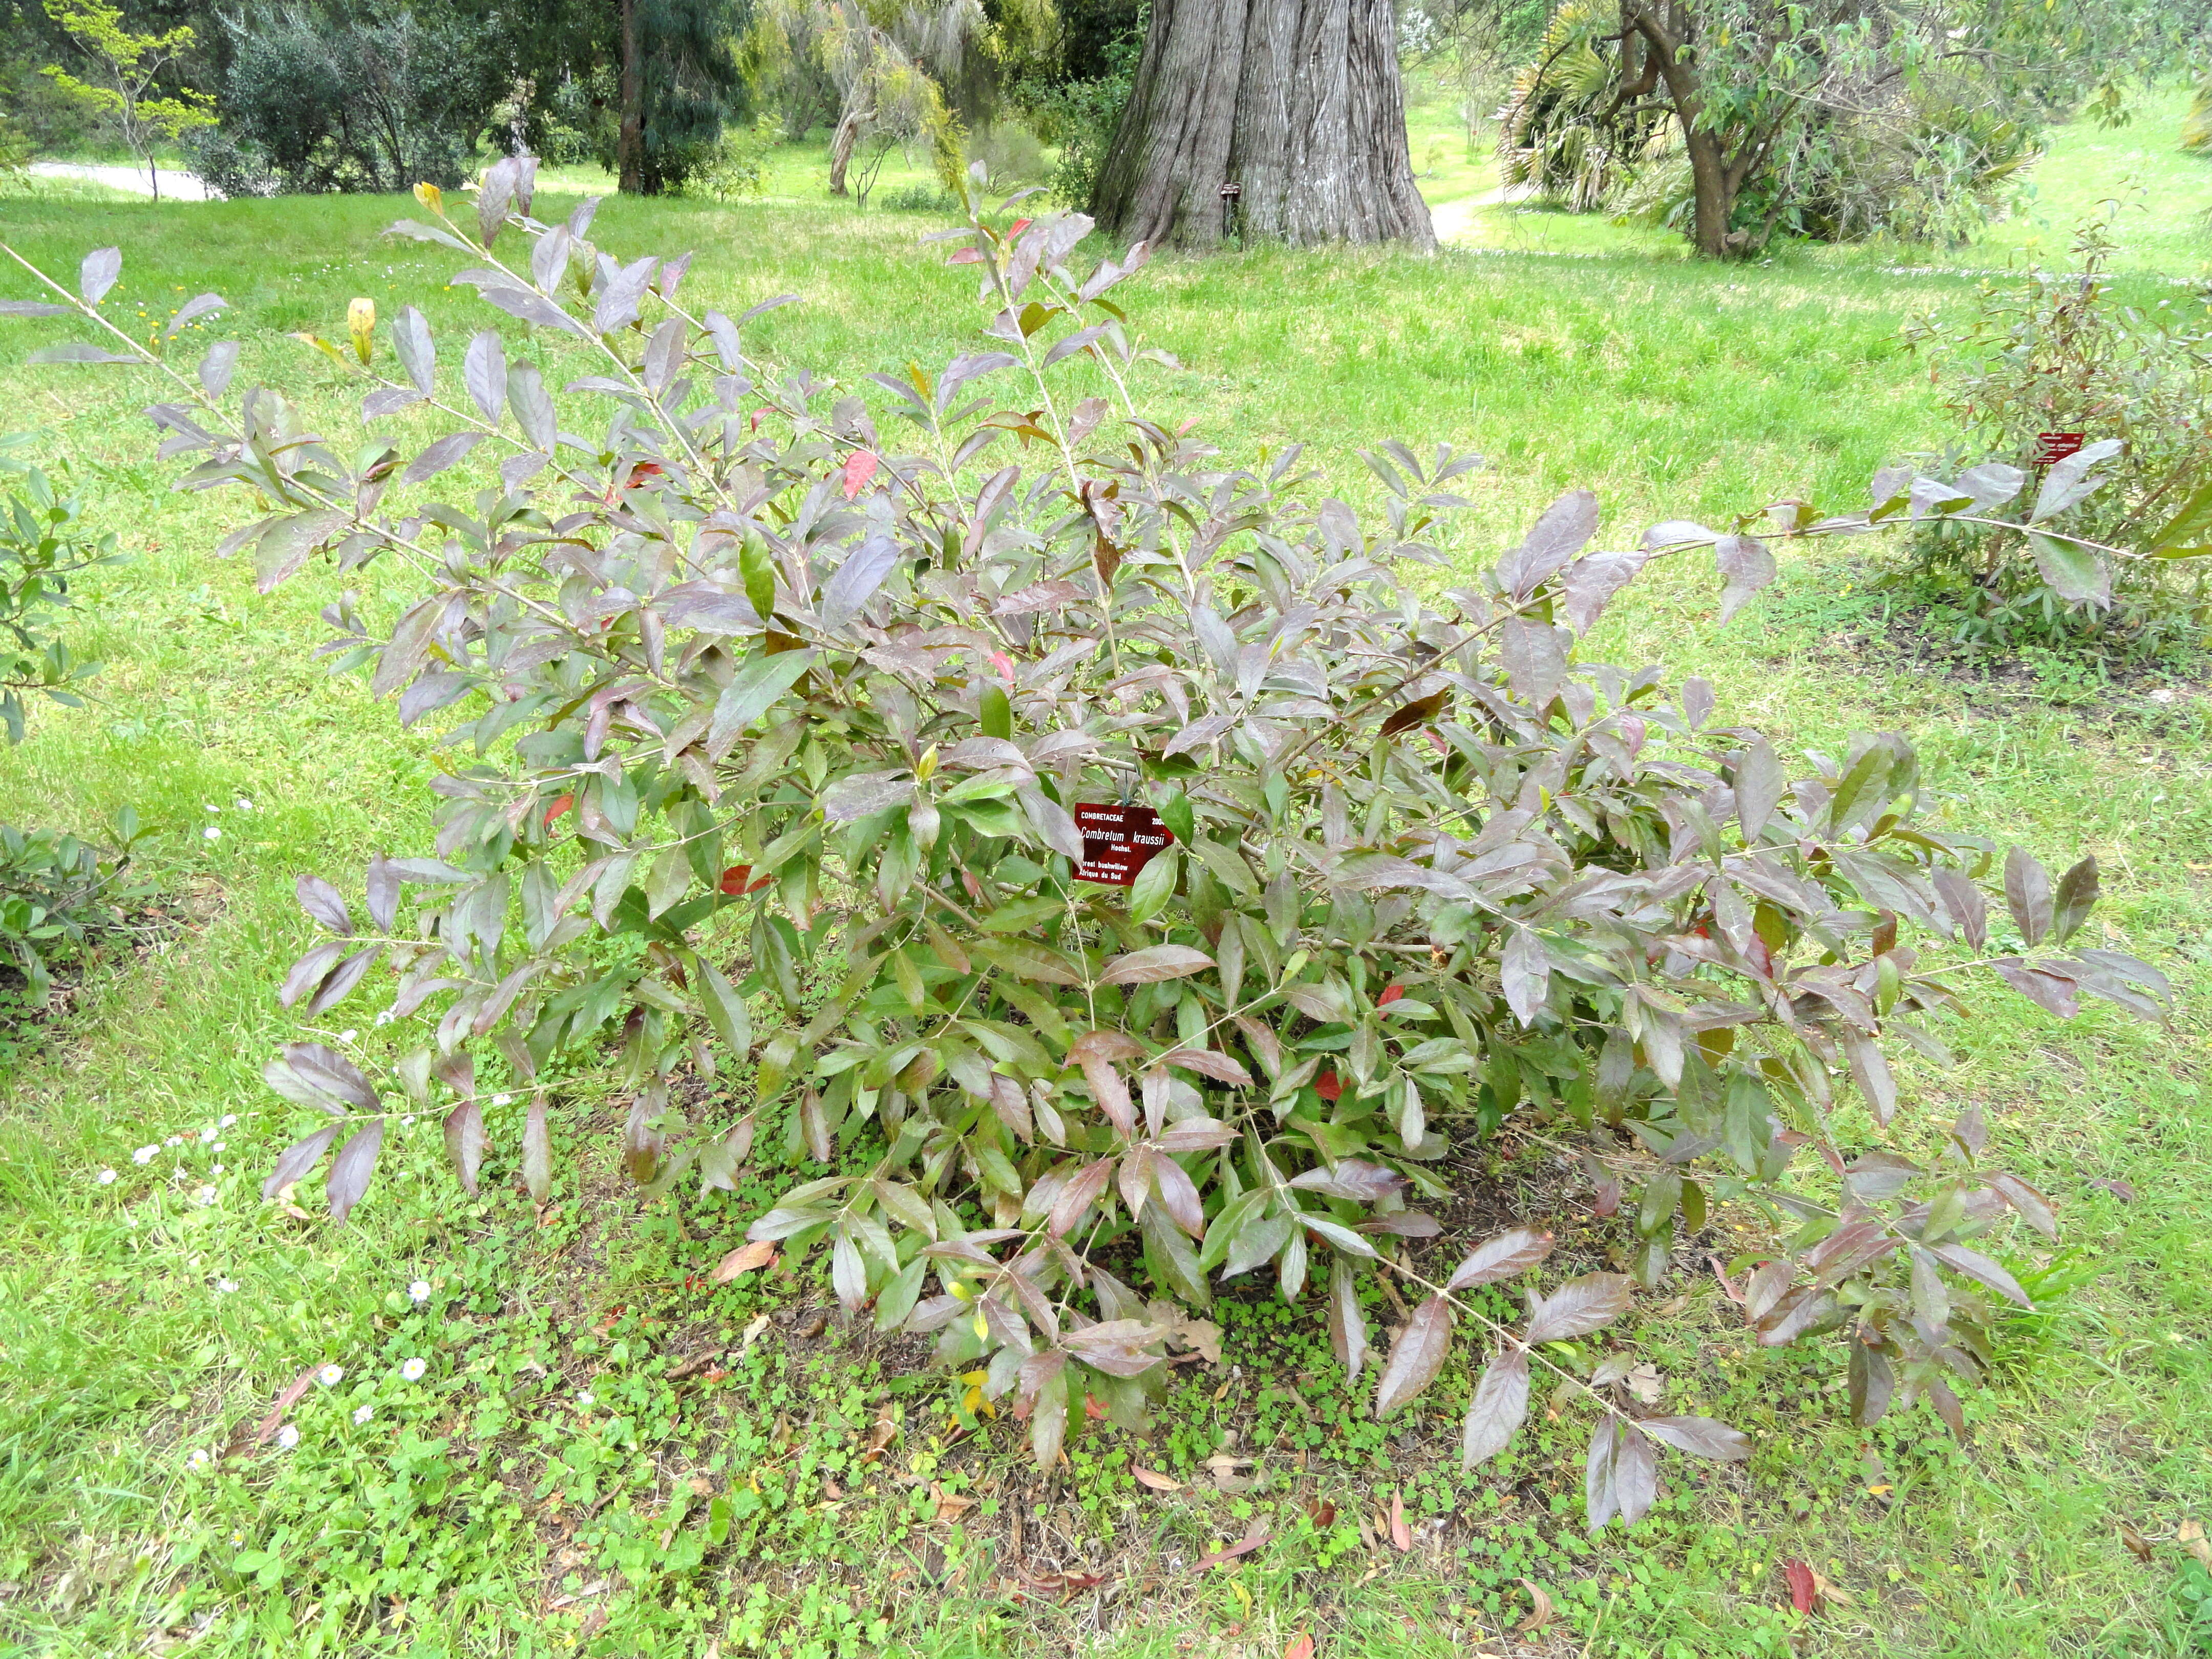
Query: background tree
(1821,116)
(315,101)
(125,67)
(1276,119)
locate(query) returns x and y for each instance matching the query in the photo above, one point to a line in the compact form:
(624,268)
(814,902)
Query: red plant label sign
(1117,843)
(2052,447)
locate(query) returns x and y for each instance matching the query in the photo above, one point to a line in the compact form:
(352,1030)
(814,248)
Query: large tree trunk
(1296,103)
(842,142)
(1712,204)
(629,137)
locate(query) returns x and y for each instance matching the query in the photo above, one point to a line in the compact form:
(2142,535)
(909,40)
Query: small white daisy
(419,1292)
(384,1017)
(207,1136)
(211,833)
(587,1399)
(106,1177)
(214,1169)
(288,1436)
(331,1376)
(413,1369)
(225,1286)
(237,1538)
(407,1119)
(144,1154)
(228,1118)
(363,1415)
(242,805)
(174,1140)
(203,1197)
(500,1100)
(210,806)
(199,1459)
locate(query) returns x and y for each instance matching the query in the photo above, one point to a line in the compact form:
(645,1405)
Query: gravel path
(175,186)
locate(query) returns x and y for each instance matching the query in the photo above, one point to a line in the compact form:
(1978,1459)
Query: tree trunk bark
(1296,103)
(1712,202)
(842,143)
(629,137)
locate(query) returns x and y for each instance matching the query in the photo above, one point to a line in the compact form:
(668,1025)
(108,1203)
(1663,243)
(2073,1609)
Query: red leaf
(1389,996)
(1005,665)
(1801,1591)
(860,467)
(1328,1085)
(1255,1536)
(738,880)
(1017,228)
(966,256)
(558,807)
(1298,1647)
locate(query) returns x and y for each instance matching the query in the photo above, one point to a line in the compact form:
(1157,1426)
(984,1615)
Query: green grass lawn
(551,1484)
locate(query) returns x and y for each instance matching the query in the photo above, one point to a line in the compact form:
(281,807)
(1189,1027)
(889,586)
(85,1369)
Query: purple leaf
(1500,1402)
(1416,1356)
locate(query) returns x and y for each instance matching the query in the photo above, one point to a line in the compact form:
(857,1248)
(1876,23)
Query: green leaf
(998,714)
(726,1009)
(764,676)
(1175,810)
(1155,884)
(2075,573)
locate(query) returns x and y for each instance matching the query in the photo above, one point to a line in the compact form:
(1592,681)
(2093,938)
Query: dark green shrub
(777,742)
(310,104)
(60,898)
(44,545)
(58,895)
(2047,354)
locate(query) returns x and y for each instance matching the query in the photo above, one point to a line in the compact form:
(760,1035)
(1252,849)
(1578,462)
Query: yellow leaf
(360,323)
(431,198)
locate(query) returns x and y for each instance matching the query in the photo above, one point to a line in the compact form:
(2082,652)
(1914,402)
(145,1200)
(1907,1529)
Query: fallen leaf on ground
(1154,1480)
(950,1506)
(2191,1536)
(1825,1591)
(1402,1536)
(2120,1190)
(1202,1334)
(1646,1384)
(1255,1536)
(1540,1609)
(1298,1647)
(285,1401)
(744,1260)
(2137,1544)
(1803,1587)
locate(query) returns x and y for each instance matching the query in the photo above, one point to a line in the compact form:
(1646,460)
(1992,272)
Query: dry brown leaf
(2191,1536)
(950,1506)
(2138,1545)
(1402,1536)
(1541,1611)
(744,1260)
(1154,1480)
(1300,1646)
(1825,1591)
(1647,1384)
(1202,1335)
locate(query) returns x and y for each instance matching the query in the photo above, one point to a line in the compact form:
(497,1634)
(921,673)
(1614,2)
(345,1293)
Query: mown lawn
(565,1476)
